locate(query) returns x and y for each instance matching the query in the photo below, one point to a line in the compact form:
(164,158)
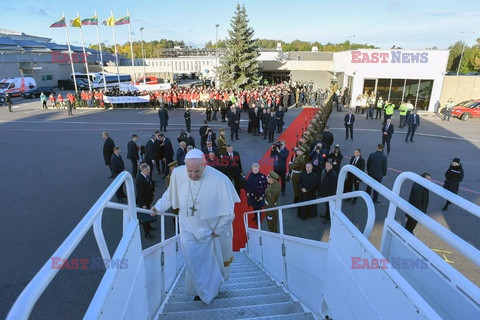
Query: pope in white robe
(206,199)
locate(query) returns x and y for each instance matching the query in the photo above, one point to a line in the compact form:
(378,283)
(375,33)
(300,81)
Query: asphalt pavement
(52,172)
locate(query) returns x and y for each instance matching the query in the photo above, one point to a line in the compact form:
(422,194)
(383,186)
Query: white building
(397,75)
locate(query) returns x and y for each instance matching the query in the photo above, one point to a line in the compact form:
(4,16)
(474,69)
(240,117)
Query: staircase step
(231,293)
(242,312)
(262,277)
(227,302)
(255,273)
(295,316)
(235,286)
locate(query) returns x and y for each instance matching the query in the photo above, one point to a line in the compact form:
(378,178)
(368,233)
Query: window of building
(396,91)
(368,86)
(411,90)
(47,77)
(424,93)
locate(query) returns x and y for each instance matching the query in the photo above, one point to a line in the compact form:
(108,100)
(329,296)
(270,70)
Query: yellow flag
(77,23)
(110,22)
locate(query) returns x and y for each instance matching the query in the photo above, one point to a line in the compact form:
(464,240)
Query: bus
(85,76)
(111,80)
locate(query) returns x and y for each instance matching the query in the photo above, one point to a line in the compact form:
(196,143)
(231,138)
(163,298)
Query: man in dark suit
(181,152)
(145,191)
(272,127)
(413,121)
(132,154)
(328,187)
(349,120)
(201,132)
(210,148)
(150,152)
(387,132)
(163,115)
(377,169)
(159,155)
(327,138)
(108,146)
(279,155)
(233,122)
(352,181)
(279,115)
(169,153)
(117,167)
(232,167)
(419,198)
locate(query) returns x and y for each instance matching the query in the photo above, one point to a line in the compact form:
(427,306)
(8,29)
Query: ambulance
(16,86)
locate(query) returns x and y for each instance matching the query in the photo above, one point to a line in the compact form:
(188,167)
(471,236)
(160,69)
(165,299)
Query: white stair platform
(249,294)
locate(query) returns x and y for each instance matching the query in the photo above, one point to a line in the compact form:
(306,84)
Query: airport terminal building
(397,75)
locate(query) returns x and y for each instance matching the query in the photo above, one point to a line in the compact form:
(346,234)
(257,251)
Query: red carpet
(291,138)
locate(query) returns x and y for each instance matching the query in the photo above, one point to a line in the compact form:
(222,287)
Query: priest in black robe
(308,185)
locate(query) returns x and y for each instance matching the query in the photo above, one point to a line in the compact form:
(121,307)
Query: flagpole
(70,53)
(101,54)
(131,47)
(85,57)
(116,52)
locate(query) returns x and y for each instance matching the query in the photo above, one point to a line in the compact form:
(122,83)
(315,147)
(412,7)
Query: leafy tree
(454,57)
(239,66)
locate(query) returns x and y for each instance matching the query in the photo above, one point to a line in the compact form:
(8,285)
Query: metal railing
(443,233)
(331,199)
(24,304)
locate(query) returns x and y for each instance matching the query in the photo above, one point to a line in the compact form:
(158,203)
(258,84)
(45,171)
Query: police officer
(188,119)
(272,193)
(403,113)
(389,107)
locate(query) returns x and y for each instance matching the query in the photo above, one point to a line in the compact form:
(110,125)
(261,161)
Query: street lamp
(143,56)
(461,55)
(216,55)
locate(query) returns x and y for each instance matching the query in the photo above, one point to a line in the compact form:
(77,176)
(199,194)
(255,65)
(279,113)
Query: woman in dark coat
(453,177)
(336,157)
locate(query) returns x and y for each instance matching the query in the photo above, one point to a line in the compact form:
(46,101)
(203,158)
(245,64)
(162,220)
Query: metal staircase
(250,293)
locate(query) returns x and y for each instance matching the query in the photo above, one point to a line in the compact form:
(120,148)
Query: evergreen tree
(239,67)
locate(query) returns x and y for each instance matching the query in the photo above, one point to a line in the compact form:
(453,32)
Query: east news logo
(389,57)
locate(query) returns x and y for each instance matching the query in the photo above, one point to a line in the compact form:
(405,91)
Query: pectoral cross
(192,208)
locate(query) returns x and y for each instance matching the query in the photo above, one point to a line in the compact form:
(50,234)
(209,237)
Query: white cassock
(207,257)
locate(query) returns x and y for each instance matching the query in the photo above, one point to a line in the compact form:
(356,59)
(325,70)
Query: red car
(468,110)
(150,80)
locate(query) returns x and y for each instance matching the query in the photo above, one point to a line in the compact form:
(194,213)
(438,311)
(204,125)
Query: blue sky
(410,24)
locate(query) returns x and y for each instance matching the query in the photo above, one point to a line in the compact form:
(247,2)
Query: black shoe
(148,236)
(377,201)
(445,207)
(326,221)
(324,216)
(197,298)
(411,140)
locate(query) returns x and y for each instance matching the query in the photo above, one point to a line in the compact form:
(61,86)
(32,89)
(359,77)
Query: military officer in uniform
(272,193)
(222,142)
(296,167)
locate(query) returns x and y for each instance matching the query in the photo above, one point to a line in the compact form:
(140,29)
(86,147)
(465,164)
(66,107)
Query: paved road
(52,172)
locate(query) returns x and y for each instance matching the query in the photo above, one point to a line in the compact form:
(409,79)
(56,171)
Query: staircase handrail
(24,304)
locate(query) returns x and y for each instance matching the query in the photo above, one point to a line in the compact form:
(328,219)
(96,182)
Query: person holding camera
(318,156)
(279,154)
(336,158)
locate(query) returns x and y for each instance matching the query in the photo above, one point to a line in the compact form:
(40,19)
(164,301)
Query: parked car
(150,80)
(468,110)
(69,85)
(35,93)
(2,99)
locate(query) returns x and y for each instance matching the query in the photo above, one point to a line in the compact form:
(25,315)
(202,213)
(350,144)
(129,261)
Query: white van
(16,86)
